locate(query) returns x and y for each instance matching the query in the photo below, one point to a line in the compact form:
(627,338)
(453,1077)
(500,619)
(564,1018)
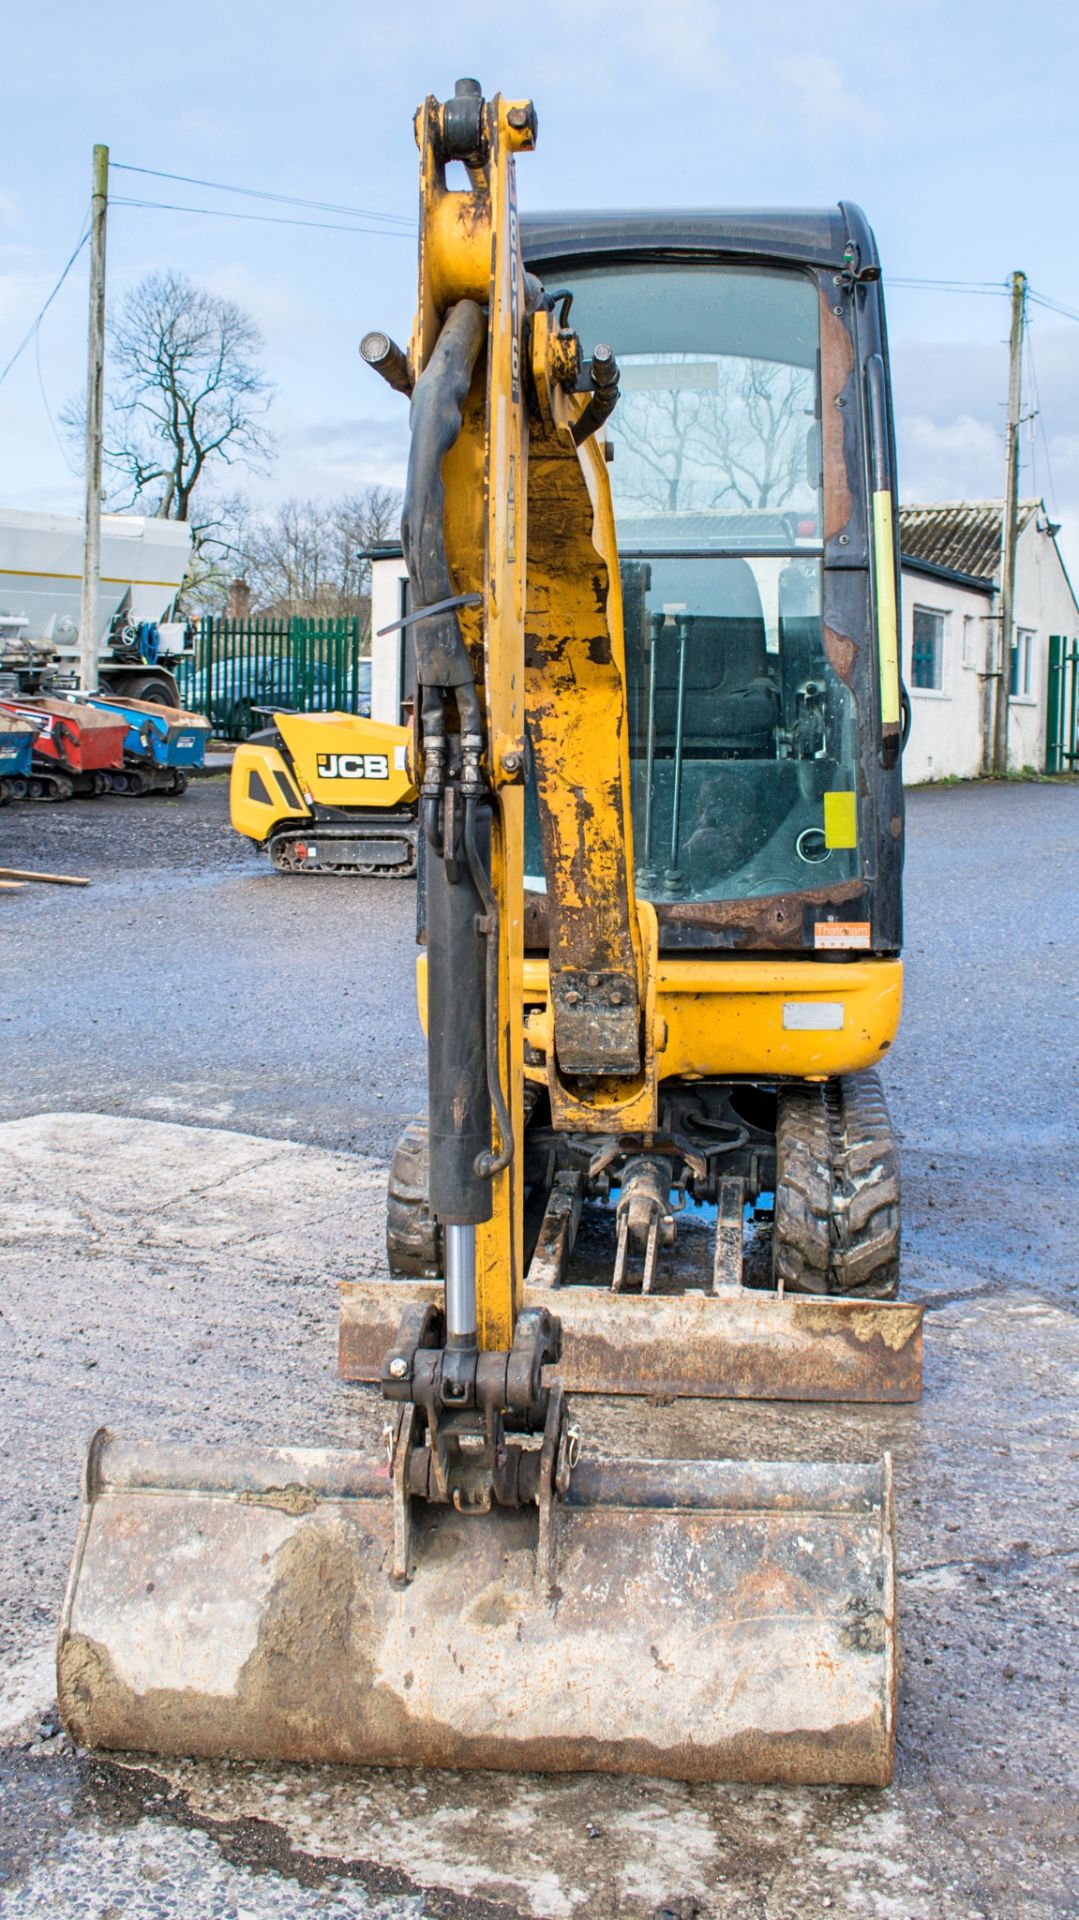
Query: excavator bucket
(696,1620)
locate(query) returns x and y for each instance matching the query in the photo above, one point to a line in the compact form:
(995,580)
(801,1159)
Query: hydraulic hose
(488,1163)
(442,659)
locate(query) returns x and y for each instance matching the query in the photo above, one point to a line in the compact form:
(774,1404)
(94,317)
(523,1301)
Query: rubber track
(413,1240)
(284,864)
(837,1190)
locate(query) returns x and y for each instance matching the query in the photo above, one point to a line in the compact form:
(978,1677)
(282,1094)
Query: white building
(391,654)
(950,606)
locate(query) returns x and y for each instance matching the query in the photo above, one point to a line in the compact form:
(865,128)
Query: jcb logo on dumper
(353,766)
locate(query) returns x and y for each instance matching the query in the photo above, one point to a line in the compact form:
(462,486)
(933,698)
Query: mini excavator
(657,743)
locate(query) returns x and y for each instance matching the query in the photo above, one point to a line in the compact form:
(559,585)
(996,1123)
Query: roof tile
(961,534)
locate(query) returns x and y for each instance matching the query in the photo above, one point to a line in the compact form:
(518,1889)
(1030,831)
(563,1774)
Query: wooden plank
(47,879)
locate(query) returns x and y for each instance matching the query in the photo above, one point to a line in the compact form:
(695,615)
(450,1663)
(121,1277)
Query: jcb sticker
(353,766)
(841,933)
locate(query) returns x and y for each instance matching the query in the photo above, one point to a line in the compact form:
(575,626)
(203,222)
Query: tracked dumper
(328,793)
(660,822)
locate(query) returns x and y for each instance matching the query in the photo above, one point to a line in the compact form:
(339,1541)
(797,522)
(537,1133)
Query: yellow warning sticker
(840,820)
(887,618)
(841,933)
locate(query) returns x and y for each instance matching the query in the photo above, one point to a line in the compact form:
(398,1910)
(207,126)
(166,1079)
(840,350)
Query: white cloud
(683,36)
(197,129)
(274,304)
(325,457)
(1064,455)
(680,40)
(949,399)
(21,290)
(955,459)
(816,89)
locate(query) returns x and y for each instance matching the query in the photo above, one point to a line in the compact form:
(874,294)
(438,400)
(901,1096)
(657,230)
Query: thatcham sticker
(841,933)
(353,766)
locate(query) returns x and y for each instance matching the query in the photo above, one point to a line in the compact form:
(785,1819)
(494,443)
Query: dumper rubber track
(413,1239)
(136,782)
(837,1190)
(49,786)
(286,859)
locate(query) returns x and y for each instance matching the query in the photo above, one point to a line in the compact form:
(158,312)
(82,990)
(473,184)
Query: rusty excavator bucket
(694,1619)
(479,1591)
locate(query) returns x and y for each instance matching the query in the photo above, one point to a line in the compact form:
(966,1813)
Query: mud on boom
(661,821)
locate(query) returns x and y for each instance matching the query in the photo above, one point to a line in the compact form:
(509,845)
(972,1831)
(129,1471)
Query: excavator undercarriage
(659,823)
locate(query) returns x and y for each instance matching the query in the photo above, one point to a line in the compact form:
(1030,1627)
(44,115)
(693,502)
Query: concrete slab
(182,1280)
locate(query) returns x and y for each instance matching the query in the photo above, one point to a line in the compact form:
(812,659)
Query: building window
(1021,678)
(927,658)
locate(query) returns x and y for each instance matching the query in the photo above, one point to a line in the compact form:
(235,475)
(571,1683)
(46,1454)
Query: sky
(953,125)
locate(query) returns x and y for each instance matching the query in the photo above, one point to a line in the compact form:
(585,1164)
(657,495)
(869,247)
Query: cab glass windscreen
(742,735)
(716,434)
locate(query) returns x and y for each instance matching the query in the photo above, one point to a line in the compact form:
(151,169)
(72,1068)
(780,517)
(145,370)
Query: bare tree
(361,521)
(221,526)
(185,394)
(307,557)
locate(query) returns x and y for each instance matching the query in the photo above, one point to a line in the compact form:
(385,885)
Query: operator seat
(732,702)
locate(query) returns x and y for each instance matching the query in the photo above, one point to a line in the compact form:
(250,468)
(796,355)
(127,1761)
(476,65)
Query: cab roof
(815,236)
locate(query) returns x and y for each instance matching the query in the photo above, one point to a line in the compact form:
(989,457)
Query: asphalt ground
(190,983)
(178,1275)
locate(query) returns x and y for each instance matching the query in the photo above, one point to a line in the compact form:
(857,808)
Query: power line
(400,222)
(980,286)
(947,286)
(1054,306)
(35,324)
(269,219)
(74,471)
(1038,423)
(264,193)
(397,224)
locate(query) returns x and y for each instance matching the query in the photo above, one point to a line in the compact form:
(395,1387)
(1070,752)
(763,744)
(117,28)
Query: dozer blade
(752,1346)
(703,1620)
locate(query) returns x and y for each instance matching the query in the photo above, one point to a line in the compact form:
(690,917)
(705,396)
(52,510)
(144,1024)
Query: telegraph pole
(1010,528)
(95,394)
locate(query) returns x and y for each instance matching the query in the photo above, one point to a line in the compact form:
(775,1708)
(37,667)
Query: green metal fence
(238,667)
(1062,707)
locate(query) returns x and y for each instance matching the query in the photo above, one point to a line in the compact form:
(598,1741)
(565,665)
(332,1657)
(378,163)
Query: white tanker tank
(143,564)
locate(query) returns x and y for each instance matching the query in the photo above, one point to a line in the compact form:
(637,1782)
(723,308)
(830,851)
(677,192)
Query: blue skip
(163,745)
(16,751)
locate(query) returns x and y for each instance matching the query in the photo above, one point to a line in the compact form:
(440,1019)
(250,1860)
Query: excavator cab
(762,692)
(660,831)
